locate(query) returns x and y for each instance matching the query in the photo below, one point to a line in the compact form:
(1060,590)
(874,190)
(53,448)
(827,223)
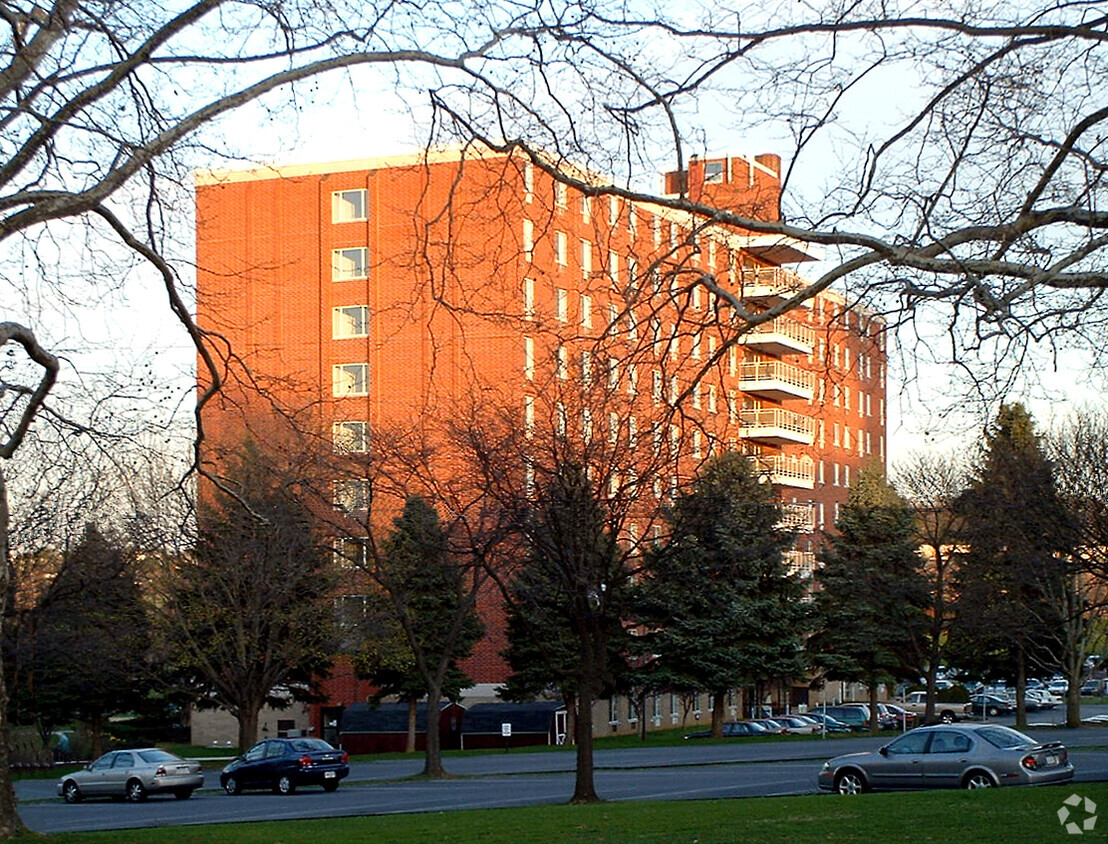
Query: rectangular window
(559,195)
(528,240)
(696,397)
(632,433)
(350,553)
(846,475)
(613,373)
(528,181)
(613,266)
(632,379)
(711,398)
(695,347)
(563,363)
(613,210)
(529,358)
(586,367)
(350,437)
(713,171)
(586,311)
(613,427)
(528,415)
(350,379)
(560,418)
(674,389)
(632,326)
(586,258)
(656,228)
(528,298)
(349,263)
(696,443)
(560,248)
(632,272)
(352,495)
(586,423)
(561,306)
(348,205)
(835,474)
(586,208)
(632,221)
(350,321)
(656,390)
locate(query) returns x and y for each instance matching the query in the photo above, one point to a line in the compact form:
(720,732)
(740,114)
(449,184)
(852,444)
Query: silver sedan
(950,756)
(133,774)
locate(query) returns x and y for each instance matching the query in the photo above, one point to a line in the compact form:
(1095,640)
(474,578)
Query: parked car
(133,774)
(285,764)
(798,724)
(829,723)
(733,729)
(988,705)
(855,717)
(904,718)
(772,725)
(950,756)
(1092,687)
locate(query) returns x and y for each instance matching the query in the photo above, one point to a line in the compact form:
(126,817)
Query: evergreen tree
(568,604)
(872,593)
(1013,580)
(429,601)
(718,605)
(86,656)
(251,617)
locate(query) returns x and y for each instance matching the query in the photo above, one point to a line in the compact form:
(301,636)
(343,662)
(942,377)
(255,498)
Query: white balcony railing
(781,337)
(777,426)
(801,563)
(776,380)
(770,284)
(798,516)
(786,470)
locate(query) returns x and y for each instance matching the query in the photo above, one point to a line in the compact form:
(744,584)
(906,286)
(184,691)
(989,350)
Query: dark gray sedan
(133,774)
(950,756)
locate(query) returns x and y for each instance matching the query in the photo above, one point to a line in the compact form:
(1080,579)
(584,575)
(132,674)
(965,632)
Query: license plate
(1051,761)
(328,775)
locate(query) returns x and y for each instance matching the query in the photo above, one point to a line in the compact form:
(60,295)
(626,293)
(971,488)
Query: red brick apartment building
(363,293)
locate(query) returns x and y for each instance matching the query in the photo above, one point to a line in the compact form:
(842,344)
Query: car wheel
(136,791)
(71,792)
(330,786)
(978,779)
(284,785)
(183,793)
(231,786)
(947,717)
(849,782)
(993,711)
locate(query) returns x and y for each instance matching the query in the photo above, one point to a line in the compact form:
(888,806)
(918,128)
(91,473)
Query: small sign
(506,730)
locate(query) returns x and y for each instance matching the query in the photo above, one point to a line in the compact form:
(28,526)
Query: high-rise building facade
(357,295)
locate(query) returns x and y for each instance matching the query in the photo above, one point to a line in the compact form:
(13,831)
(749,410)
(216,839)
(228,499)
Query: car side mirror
(884,750)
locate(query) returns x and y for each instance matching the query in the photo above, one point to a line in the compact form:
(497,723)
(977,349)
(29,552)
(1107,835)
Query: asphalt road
(691,771)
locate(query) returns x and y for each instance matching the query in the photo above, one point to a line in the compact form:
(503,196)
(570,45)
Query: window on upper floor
(586,258)
(348,205)
(713,171)
(529,358)
(349,321)
(561,304)
(528,240)
(586,208)
(560,248)
(352,496)
(350,437)
(528,298)
(350,379)
(351,553)
(586,310)
(528,181)
(559,195)
(350,262)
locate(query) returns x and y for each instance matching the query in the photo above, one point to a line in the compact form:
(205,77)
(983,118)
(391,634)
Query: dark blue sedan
(285,764)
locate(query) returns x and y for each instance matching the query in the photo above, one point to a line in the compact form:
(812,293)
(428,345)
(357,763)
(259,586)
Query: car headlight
(827,766)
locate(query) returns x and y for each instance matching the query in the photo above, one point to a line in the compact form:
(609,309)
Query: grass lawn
(982,817)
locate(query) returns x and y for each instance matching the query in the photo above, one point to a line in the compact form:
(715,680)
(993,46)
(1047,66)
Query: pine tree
(872,593)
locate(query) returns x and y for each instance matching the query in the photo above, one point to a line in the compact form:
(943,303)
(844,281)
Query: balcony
(782,470)
(800,563)
(776,380)
(780,337)
(798,517)
(770,285)
(775,426)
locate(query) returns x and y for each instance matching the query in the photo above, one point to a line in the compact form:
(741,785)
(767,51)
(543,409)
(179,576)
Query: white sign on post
(506,730)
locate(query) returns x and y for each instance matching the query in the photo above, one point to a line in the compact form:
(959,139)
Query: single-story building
(383,727)
(514,724)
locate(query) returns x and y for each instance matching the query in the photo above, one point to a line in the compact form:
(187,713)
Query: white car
(1042,698)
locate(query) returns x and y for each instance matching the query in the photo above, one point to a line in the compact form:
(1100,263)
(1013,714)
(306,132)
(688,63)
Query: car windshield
(156,756)
(1004,737)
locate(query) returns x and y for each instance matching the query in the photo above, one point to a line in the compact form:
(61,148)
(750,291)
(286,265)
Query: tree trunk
(874,721)
(570,700)
(1073,699)
(432,766)
(10,822)
(584,789)
(248,726)
(718,700)
(1021,687)
(413,711)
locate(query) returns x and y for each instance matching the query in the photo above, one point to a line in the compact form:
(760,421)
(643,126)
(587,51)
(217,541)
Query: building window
(586,258)
(835,476)
(656,227)
(528,298)
(613,266)
(528,415)
(586,208)
(528,240)
(349,263)
(529,358)
(348,206)
(350,553)
(632,379)
(586,311)
(528,181)
(613,373)
(613,710)
(559,195)
(696,444)
(711,398)
(561,306)
(586,367)
(846,475)
(713,171)
(632,433)
(695,347)
(656,390)
(586,424)
(632,221)
(561,419)
(613,427)
(352,496)
(350,437)
(613,210)
(560,248)
(350,379)
(674,389)
(563,363)
(350,321)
